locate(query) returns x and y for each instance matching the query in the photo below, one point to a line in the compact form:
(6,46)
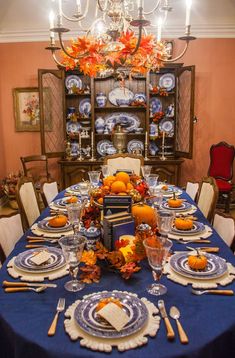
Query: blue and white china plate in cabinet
(89,321)
(85,107)
(73,81)
(197,228)
(73,127)
(128,120)
(103,145)
(140,97)
(134,144)
(23,260)
(167,125)
(155,105)
(121,94)
(216,266)
(167,81)
(44,225)
(183,207)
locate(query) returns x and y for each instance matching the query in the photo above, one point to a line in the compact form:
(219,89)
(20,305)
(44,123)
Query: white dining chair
(207,197)
(192,189)
(224,224)
(124,161)
(27,200)
(11,231)
(49,192)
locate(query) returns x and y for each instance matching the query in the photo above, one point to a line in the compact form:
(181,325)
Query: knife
(169,329)
(26,284)
(205,249)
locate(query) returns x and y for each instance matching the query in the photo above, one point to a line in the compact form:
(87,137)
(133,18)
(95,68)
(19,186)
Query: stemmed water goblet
(72,248)
(74,211)
(105,170)
(146,170)
(165,219)
(151,180)
(157,197)
(94,177)
(84,188)
(157,256)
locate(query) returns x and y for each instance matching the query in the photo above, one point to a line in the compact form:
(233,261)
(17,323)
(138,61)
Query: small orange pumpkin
(197,262)
(71,200)
(58,221)
(183,224)
(144,214)
(174,202)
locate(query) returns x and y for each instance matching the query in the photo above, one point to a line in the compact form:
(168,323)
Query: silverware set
(213,292)
(10,287)
(60,308)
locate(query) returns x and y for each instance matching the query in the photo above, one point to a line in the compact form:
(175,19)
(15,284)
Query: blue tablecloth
(208,320)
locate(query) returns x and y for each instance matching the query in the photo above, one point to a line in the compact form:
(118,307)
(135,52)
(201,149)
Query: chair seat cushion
(223,185)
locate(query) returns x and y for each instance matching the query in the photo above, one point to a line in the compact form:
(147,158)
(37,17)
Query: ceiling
(27,20)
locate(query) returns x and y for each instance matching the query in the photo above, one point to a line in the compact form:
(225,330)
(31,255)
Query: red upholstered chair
(221,168)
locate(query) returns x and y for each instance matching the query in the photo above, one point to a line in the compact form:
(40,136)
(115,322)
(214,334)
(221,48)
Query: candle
(92,139)
(188,8)
(78,2)
(163,139)
(140,3)
(80,141)
(60,7)
(146,137)
(51,21)
(159,29)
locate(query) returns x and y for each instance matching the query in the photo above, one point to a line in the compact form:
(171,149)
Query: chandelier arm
(57,61)
(138,42)
(100,7)
(180,55)
(65,51)
(154,9)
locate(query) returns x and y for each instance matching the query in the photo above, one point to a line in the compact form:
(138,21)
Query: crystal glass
(157,257)
(165,219)
(74,211)
(84,188)
(151,180)
(94,177)
(146,170)
(105,170)
(157,197)
(72,247)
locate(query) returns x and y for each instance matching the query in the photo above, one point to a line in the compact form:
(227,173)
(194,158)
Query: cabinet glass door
(185,111)
(52,123)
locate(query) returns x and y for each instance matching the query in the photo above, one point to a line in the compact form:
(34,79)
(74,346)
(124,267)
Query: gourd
(144,214)
(197,262)
(183,224)
(174,202)
(58,221)
(71,200)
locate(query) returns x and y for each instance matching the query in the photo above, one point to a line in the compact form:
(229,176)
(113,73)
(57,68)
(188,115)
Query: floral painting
(26,109)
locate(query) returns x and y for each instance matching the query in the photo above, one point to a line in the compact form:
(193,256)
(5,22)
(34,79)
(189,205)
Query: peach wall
(214,99)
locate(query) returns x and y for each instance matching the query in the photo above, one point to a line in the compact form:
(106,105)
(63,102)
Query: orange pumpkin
(73,199)
(174,202)
(197,262)
(58,221)
(103,302)
(183,224)
(143,213)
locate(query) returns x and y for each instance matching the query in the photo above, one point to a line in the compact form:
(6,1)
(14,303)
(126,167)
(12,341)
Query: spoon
(175,314)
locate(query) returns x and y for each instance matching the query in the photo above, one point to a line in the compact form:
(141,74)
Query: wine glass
(105,170)
(146,170)
(72,247)
(151,180)
(74,211)
(84,188)
(157,257)
(157,197)
(165,219)
(94,177)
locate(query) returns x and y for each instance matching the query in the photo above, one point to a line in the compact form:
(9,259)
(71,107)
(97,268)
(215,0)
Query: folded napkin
(41,257)
(114,315)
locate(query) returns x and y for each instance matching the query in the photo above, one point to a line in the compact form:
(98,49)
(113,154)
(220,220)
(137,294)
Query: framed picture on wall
(26,109)
(169,48)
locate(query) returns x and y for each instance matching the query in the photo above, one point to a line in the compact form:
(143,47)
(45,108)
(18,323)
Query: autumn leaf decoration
(91,57)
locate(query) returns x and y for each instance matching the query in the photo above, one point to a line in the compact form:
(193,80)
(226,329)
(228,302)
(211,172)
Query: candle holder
(162,157)
(92,159)
(146,151)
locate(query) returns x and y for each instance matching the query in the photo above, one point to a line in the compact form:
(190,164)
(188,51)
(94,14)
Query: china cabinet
(156,112)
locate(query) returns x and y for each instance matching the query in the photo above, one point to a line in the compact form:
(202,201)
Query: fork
(60,308)
(195,241)
(18,289)
(213,292)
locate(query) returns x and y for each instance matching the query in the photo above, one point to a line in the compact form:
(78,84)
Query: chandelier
(120,34)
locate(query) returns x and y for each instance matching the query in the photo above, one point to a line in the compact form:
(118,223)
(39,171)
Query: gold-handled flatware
(60,308)
(27,284)
(23,289)
(34,246)
(213,292)
(204,249)
(175,314)
(38,240)
(169,330)
(40,237)
(196,241)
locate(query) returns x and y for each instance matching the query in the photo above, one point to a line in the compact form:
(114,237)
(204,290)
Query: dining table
(209,320)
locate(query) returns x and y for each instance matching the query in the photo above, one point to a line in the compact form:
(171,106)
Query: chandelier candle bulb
(60,7)
(159,30)
(78,2)
(188,9)
(51,21)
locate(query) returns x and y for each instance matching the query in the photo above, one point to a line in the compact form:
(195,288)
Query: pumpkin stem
(174,197)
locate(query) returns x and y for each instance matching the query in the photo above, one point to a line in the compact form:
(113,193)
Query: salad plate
(197,228)
(140,97)
(127,120)
(85,107)
(184,206)
(23,260)
(45,226)
(73,81)
(167,81)
(102,146)
(134,144)
(155,105)
(121,94)
(216,266)
(89,321)
(73,127)
(167,125)
(61,203)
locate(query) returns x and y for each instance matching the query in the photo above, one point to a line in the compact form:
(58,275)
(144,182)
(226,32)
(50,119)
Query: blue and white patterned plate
(72,81)
(155,105)
(61,203)
(102,146)
(167,125)
(134,144)
(167,81)
(128,120)
(216,266)
(45,226)
(120,93)
(197,228)
(23,260)
(87,318)
(140,97)
(184,206)
(85,107)
(73,127)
